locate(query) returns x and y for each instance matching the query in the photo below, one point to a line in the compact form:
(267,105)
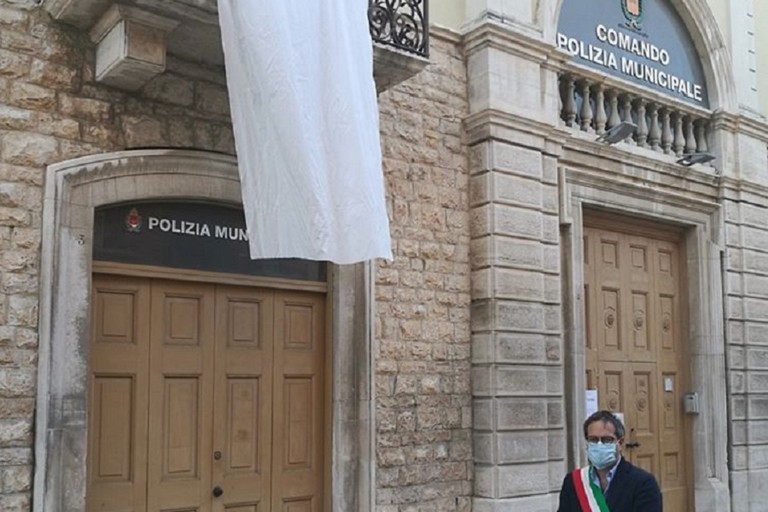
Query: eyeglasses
(604,439)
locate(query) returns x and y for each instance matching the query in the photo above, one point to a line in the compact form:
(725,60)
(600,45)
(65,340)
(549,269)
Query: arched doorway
(75,190)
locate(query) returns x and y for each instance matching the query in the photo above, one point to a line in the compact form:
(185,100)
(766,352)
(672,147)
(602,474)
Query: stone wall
(423,396)
(50,111)
(746,286)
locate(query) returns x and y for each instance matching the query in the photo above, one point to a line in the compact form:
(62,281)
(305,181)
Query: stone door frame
(703,235)
(73,190)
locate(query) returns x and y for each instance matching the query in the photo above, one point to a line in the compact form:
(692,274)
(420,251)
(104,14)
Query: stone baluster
(701,136)
(626,102)
(642,125)
(586,107)
(666,131)
(679,142)
(654,133)
(690,138)
(613,103)
(569,101)
(601,118)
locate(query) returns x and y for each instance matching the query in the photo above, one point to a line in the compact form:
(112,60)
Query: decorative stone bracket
(133,37)
(130,46)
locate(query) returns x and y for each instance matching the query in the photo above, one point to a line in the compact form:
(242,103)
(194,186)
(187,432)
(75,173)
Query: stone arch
(74,189)
(703,29)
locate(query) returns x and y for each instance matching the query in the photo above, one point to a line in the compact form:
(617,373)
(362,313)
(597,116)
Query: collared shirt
(611,473)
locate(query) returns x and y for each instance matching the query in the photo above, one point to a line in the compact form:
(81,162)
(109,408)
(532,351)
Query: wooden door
(196,387)
(635,354)
(298,407)
(180,396)
(118,393)
(243,403)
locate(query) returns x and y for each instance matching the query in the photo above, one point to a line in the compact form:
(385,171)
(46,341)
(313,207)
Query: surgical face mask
(602,455)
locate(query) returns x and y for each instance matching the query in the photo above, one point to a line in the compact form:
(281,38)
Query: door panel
(243,404)
(118,386)
(636,252)
(181,396)
(196,386)
(674,469)
(634,351)
(298,404)
(609,304)
(641,417)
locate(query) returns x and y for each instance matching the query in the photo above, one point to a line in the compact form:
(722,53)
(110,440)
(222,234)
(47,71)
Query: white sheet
(305,114)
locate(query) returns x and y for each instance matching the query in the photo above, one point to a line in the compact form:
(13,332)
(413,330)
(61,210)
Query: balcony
(132,38)
(400,33)
(594,103)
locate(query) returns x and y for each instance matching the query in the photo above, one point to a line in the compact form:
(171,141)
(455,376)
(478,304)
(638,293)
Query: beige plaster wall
(761,44)
(455,14)
(720,10)
(447,13)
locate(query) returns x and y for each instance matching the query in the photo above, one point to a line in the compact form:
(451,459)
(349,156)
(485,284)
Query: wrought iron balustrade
(402,24)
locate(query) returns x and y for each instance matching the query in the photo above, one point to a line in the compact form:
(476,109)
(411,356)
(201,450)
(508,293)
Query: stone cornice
(649,169)
(734,189)
(727,121)
(741,124)
(503,36)
(492,16)
(520,130)
(573,147)
(445,34)
(643,190)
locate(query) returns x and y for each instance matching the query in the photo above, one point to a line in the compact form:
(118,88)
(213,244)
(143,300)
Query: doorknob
(217,491)
(632,445)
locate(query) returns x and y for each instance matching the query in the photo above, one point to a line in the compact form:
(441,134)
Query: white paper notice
(590,407)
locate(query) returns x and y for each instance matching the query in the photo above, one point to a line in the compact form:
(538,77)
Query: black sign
(643,41)
(197,236)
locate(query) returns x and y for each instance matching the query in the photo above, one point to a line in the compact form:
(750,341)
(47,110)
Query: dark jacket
(631,490)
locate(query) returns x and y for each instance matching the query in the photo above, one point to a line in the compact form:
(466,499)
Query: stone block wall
(51,110)
(746,304)
(517,377)
(424,419)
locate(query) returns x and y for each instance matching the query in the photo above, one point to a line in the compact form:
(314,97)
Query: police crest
(133,221)
(633,12)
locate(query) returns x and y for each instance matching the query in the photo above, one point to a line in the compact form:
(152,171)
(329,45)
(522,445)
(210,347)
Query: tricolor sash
(590,495)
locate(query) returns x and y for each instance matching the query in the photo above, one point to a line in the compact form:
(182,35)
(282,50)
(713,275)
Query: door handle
(632,445)
(217,491)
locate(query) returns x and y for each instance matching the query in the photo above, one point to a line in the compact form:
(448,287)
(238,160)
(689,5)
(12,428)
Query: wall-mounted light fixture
(618,133)
(699,157)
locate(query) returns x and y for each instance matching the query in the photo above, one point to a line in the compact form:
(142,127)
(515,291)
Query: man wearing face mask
(609,482)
